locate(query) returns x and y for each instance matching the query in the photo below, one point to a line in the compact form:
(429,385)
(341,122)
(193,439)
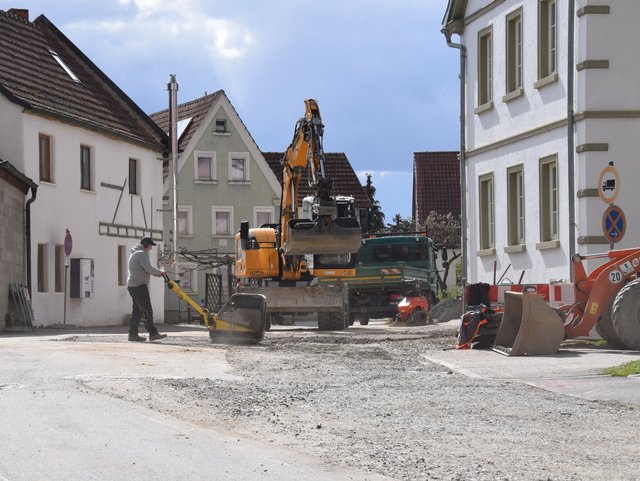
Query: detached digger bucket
(339,236)
(529,327)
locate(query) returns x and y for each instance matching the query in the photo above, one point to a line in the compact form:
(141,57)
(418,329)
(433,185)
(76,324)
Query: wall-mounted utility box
(82,278)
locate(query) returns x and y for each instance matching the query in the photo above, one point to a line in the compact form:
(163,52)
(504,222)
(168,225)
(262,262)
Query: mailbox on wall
(82,278)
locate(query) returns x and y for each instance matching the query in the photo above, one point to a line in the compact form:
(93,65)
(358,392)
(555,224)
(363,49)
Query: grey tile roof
(30,76)
(337,168)
(16,178)
(436,181)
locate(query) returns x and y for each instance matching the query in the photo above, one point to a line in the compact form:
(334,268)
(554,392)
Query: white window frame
(188,210)
(214,166)
(486,212)
(516,205)
(263,209)
(514,54)
(247,174)
(547,38)
(549,207)
(222,208)
(485,66)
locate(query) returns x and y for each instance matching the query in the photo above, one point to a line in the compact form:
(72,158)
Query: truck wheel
(364,321)
(604,326)
(330,321)
(626,314)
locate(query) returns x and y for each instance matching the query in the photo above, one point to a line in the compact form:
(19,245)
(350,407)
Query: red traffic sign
(609,184)
(68,243)
(614,223)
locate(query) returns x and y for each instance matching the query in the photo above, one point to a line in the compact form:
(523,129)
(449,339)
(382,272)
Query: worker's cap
(147,241)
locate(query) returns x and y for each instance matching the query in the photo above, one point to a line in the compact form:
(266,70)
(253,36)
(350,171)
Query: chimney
(23,13)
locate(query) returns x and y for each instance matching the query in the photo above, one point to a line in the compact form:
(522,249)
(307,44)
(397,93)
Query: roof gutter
(463,161)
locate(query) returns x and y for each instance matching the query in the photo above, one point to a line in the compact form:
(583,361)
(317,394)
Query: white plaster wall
(536,107)
(11,133)
(540,265)
(63,205)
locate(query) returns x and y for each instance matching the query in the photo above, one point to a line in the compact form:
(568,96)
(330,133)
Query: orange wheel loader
(607,298)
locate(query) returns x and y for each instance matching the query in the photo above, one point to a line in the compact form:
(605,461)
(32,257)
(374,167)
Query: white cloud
(185,26)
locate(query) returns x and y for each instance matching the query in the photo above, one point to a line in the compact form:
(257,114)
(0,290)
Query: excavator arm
(326,232)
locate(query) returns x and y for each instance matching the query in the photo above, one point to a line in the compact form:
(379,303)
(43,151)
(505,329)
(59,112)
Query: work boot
(156,336)
(136,338)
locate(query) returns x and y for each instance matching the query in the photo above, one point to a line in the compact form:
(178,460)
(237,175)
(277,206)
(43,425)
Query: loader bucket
(341,235)
(529,327)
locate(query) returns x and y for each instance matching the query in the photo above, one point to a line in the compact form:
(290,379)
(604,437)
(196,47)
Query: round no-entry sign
(609,184)
(68,243)
(614,223)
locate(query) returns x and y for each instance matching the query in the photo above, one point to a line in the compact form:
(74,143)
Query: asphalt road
(55,429)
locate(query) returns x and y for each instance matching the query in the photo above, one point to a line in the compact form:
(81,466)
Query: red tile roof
(436,184)
(337,168)
(31,77)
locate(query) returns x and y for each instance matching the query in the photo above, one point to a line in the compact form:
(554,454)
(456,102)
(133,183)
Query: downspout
(463,162)
(571,134)
(31,200)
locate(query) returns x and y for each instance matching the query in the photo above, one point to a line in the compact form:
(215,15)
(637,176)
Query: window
(66,68)
(185,220)
(205,166)
(85,167)
(262,215)
(238,167)
(548,199)
(122,265)
(486,212)
(514,51)
(133,176)
(59,268)
(44,142)
(547,47)
(221,125)
(43,271)
(222,220)
(485,67)
(515,207)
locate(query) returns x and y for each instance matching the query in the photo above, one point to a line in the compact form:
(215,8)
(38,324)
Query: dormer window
(66,68)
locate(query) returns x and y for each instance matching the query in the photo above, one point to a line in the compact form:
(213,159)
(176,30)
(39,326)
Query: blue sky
(383,76)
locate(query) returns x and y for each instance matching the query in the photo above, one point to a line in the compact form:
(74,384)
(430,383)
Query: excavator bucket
(341,235)
(529,327)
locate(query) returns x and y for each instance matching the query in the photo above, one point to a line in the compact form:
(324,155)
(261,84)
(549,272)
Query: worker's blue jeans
(141,308)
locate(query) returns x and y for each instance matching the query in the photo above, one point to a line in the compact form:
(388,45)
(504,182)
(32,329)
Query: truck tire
(364,321)
(626,314)
(330,321)
(604,326)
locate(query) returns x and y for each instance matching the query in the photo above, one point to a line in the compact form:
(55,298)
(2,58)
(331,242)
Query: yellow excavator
(329,232)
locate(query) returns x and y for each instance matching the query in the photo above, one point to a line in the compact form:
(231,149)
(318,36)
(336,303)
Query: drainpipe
(31,200)
(463,162)
(172,87)
(571,135)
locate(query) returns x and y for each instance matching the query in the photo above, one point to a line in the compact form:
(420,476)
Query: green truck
(382,264)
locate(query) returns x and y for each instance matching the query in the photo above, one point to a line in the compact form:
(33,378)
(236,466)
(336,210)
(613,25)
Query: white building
(551,99)
(95,157)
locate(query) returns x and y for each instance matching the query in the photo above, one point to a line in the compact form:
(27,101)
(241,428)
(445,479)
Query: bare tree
(445,231)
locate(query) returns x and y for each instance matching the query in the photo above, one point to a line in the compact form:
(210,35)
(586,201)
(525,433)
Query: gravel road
(367,398)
